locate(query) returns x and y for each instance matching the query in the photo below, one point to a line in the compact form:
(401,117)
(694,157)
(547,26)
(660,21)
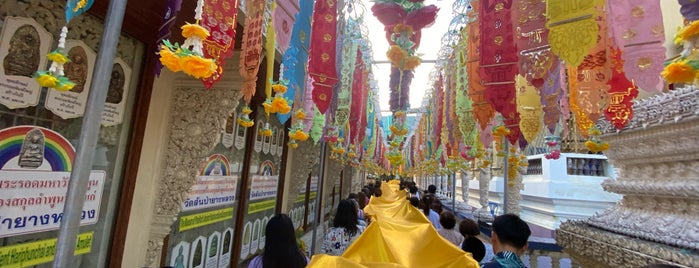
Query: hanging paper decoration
(295,59)
(637,29)
(592,77)
(55,77)
(486,135)
(564,103)
(553,147)
(220,18)
(358,104)
(464,105)
(251,52)
(582,121)
(529,108)
(321,65)
(531,35)
(551,94)
(572,28)
(296,132)
(318,125)
(275,102)
(348,62)
(498,60)
(189,57)
(621,93)
(403,22)
(283,18)
(482,110)
(172,7)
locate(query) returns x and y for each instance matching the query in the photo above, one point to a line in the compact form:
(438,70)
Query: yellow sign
(34,253)
(261,206)
(197,220)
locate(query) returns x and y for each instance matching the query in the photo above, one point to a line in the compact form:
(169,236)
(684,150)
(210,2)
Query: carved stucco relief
(51,15)
(197,116)
(303,161)
(657,156)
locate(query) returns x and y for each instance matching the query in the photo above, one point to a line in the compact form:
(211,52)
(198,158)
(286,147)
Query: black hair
(346,217)
(361,200)
(415,202)
(352,196)
(436,205)
(412,189)
(475,247)
(426,203)
(447,219)
(511,230)
(468,228)
(432,189)
(281,249)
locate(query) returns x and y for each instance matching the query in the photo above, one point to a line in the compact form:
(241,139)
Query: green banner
(38,252)
(201,219)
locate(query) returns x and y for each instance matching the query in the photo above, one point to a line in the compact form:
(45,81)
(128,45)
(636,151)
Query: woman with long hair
(281,249)
(433,216)
(344,231)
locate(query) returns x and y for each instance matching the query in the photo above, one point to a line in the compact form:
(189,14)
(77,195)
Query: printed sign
(35,165)
(247,238)
(280,143)
(226,248)
(117,93)
(202,219)
(266,143)
(264,185)
(71,104)
(38,252)
(258,138)
(215,185)
(196,253)
(273,142)
(240,134)
(228,136)
(180,255)
(24,44)
(213,250)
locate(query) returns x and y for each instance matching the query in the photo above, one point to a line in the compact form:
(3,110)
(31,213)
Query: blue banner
(295,58)
(76,7)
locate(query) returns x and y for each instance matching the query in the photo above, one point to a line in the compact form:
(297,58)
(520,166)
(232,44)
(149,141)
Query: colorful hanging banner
(295,60)
(283,19)
(76,7)
(593,76)
(220,19)
(270,53)
(358,104)
(550,97)
(483,111)
(464,105)
(251,52)
(499,60)
(621,93)
(637,28)
(531,36)
(529,108)
(169,19)
(321,65)
(348,62)
(572,28)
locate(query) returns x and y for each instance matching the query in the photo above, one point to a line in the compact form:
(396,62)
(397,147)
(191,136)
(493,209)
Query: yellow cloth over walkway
(399,236)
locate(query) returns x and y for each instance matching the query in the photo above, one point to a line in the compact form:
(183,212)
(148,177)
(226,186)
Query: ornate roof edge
(681,104)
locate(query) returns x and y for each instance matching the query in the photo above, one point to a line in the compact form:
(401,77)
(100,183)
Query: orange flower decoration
(198,67)
(169,59)
(412,62)
(280,105)
(396,54)
(400,28)
(189,30)
(679,72)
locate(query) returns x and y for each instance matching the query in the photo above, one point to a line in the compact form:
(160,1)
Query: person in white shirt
(431,215)
(448,221)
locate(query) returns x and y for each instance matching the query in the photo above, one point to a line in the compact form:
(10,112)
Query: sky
(429,46)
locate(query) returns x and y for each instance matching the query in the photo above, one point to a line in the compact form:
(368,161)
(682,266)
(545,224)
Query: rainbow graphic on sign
(216,165)
(58,151)
(266,168)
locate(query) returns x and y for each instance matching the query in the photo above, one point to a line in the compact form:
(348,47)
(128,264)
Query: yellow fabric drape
(399,236)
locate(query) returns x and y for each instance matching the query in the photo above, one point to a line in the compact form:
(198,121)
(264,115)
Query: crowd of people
(508,238)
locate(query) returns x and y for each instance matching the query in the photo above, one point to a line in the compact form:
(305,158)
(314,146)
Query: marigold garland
(683,71)
(54,76)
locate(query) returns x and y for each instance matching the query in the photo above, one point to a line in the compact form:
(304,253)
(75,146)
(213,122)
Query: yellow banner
(261,206)
(35,253)
(201,219)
